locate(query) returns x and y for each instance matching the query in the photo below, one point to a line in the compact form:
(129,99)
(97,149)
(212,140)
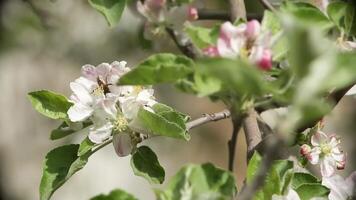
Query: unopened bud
(122,144)
(211,51)
(192,13)
(305,150)
(265,62)
(253,29)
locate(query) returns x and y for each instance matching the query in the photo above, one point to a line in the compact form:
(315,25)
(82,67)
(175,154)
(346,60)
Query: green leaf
(115,195)
(164,123)
(62,131)
(233,76)
(350,19)
(85,146)
(203,37)
(336,12)
(310,190)
(111,9)
(159,68)
(144,162)
(277,180)
(50,104)
(199,182)
(59,165)
(271,23)
(300,178)
(308,14)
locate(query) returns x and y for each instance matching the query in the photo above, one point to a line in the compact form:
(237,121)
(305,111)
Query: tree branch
(205,14)
(236,123)
(208,118)
(267,5)
(252,132)
(187,48)
(237,9)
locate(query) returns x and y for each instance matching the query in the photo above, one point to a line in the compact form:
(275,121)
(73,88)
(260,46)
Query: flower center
(121,123)
(98,91)
(325,149)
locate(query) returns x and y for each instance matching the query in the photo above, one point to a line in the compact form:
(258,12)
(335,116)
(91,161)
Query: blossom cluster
(245,40)
(111,109)
(158,15)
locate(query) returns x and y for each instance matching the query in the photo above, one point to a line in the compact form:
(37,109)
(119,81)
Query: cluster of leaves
(315,66)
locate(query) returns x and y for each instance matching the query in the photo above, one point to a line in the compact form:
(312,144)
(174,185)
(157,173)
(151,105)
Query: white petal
(89,72)
(327,166)
(122,144)
(319,138)
(338,187)
(79,112)
(81,93)
(314,155)
(100,134)
(103,71)
(86,83)
(352,91)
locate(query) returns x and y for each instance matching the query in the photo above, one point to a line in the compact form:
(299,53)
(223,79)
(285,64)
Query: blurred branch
(40,13)
(271,154)
(208,118)
(205,14)
(236,123)
(187,48)
(252,132)
(237,10)
(267,5)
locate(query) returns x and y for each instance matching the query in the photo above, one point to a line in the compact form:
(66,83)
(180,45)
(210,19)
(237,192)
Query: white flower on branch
(326,151)
(245,41)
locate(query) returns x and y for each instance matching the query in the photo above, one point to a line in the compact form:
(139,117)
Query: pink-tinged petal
(305,149)
(327,166)
(81,93)
(351,184)
(122,144)
(99,134)
(339,188)
(334,141)
(253,29)
(211,51)
(89,72)
(79,112)
(109,107)
(314,156)
(340,161)
(192,13)
(231,40)
(319,138)
(264,62)
(103,71)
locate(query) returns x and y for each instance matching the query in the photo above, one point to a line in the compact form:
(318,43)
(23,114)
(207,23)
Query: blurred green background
(43,44)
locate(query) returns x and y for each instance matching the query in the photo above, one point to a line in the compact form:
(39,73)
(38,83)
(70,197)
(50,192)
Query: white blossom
(326,152)
(340,188)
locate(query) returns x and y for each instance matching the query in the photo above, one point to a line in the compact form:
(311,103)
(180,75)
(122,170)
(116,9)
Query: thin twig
(187,48)
(237,10)
(236,123)
(267,5)
(208,118)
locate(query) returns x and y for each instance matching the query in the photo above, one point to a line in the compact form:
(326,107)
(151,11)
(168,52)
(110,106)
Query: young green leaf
(50,104)
(144,162)
(336,12)
(62,131)
(167,123)
(303,178)
(111,9)
(233,76)
(115,195)
(159,68)
(350,19)
(309,190)
(271,23)
(59,165)
(85,146)
(199,182)
(203,37)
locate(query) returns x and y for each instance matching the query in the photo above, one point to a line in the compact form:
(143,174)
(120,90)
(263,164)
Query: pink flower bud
(192,13)
(253,29)
(265,61)
(211,51)
(122,144)
(305,150)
